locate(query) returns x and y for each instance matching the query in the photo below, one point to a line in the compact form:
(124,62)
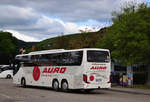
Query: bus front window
(0,70)
(16,67)
(97,56)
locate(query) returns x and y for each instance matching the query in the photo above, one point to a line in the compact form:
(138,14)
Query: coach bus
(85,69)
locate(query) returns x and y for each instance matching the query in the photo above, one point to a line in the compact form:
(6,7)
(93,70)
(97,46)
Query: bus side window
(50,61)
(32,58)
(76,57)
(35,60)
(43,58)
(59,59)
(72,58)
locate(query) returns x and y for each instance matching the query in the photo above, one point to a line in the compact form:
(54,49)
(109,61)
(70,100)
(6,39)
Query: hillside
(9,47)
(23,44)
(72,41)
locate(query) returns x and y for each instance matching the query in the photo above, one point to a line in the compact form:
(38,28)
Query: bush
(140,78)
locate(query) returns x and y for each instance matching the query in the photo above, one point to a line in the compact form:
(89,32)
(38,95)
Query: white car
(6,72)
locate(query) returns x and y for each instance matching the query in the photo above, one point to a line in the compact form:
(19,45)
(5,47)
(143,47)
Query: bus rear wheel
(55,85)
(23,83)
(64,86)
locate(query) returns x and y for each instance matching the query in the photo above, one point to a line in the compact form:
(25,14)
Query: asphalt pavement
(10,92)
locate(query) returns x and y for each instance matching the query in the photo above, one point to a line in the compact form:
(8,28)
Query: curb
(131,92)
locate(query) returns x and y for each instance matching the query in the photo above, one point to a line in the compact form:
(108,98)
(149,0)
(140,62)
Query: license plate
(98,80)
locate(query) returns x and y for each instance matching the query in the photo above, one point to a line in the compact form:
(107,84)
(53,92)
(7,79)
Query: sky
(36,20)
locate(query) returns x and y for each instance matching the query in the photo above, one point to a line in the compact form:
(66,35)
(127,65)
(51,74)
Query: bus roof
(46,51)
(59,50)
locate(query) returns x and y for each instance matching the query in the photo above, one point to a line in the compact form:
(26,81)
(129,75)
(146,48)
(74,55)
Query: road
(12,93)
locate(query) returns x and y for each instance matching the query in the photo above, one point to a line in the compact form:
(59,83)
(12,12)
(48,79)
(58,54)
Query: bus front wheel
(23,82)
(8,76)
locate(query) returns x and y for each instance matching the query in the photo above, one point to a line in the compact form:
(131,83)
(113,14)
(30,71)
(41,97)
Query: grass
(141,86)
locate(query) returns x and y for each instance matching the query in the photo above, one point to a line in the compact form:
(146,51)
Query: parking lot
(12,93)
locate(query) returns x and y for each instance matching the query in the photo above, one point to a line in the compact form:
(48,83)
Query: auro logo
(36,73)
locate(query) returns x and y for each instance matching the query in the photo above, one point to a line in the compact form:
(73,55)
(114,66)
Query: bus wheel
(23,82)
(8,76)
(55,85)
(64,86)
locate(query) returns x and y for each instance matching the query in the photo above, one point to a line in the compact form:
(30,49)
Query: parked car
(6,72)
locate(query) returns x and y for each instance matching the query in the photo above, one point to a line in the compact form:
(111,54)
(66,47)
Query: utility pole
(130,75)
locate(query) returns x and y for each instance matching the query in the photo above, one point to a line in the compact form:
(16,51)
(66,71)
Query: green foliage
(61,42)
(129,37)
(8,44)
(8,47)
(72,41)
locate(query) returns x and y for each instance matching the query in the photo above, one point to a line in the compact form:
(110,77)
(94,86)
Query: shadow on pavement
(69,91)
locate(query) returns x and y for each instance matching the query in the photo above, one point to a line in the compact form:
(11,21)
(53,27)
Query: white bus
(87,69)
(6,71)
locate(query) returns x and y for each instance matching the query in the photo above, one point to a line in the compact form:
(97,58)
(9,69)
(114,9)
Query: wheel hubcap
(22,82)
(55,85)
(65,86)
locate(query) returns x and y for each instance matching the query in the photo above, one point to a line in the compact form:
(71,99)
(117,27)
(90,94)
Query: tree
(84,40)
(8,47)
(61,42)
(129,36)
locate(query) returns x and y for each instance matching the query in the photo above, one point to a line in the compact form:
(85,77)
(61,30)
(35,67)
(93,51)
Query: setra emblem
(36,73)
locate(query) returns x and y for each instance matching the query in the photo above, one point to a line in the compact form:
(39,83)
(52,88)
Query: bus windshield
(97,56)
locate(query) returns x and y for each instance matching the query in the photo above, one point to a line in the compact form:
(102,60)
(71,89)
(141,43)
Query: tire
(55,85)
(8,76)
(23,83)
(64,86)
